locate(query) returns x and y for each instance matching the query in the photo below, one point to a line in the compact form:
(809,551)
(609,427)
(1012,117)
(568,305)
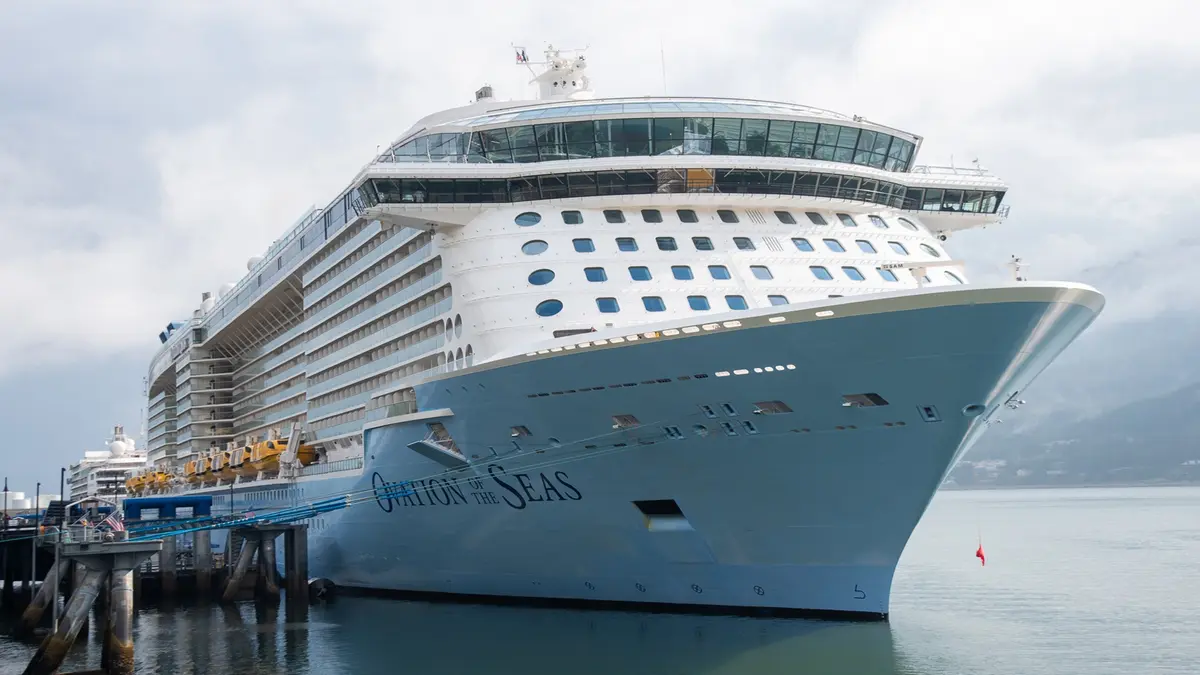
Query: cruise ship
(685,353)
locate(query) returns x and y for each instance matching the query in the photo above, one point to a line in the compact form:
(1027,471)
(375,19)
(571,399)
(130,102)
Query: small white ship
(681,352)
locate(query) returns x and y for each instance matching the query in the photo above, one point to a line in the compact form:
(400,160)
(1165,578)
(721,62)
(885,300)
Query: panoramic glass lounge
(652,181)
(647,136)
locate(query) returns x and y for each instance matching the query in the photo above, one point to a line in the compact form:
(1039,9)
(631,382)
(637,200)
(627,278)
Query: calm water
(1077,581)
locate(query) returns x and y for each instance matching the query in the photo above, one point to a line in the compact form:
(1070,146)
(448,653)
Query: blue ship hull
(703,504)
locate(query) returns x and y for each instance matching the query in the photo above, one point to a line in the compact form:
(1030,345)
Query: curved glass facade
(652,181)
(646,136)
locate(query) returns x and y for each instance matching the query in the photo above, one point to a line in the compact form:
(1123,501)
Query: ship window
(865,246)
(687,216)
(528,218)
(608,305)
(909,224)
(651,216)
(772,408)
(595,274)
(898,247)
(654,304)
(887,275)
(802,244)
(698,302)
(835,246)
(954,277)
(614,215)
(534,247)
(682,272)
(519,431)
(821,273)
(930,250)
(778,299)
(667,244)
(785,217)
(816,218)
(584,245)
(541,277)
(549,307)
(736,302)
(702,243)
(871,400)
(854,274)
(572,217)
(761,272)
(847,220)
(639,273)
(743,243)
(626,244)
(718,271)
(878,222)
(727,216)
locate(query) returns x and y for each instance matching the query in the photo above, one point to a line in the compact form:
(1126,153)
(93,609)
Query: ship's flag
(521,58)
(114,521)
(979,554)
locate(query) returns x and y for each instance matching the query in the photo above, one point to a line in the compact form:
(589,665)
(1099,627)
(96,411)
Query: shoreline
(1050,486)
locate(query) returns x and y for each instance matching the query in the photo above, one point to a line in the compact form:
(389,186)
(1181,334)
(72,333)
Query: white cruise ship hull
(804,512)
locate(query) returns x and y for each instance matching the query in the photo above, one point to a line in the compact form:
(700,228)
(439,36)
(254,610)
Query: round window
(534,247)
(930,250)
(541,277)
(909,224)
(458,325)
(549,307)
(528,218)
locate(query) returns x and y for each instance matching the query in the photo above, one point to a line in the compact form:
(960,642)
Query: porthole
(458,322)
(528,218)
(930,250)
(954,277)
(541,277)
(535,247)
(909,224)
(549,307)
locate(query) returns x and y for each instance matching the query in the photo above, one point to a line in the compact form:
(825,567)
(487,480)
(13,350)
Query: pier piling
(295,545)
(118,636)
(249,548)
(167,561)
(46,594)
(53,649)
(267,569)
(203,561)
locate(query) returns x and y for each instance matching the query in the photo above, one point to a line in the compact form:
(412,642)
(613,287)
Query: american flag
(115,521)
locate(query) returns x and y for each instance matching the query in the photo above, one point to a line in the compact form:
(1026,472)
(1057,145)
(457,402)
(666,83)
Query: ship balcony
(213,402)
(440,449)
(285,375)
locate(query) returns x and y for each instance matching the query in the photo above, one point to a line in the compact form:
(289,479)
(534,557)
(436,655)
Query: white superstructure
(102,473)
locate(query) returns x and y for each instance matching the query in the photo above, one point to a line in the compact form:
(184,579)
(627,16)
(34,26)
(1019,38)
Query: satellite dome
(225,288)
(253,262)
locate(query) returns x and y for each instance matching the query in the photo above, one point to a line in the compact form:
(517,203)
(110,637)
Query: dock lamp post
(62,477)
(37,533)
(6,502)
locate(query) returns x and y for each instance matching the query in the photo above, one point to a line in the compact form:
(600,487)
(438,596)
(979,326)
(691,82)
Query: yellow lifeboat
(265,455)
(190,474)
(207,475)
(240,461)
(162,480)
(223,465)
(135,484)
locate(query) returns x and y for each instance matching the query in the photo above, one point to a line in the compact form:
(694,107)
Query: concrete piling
(249,548)
(53,649)
(295,544)
(203,561)
(118,638)
(46,594)
(267,570)
(167,561)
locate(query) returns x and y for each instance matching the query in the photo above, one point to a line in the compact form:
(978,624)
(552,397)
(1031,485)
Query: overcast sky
(147,149)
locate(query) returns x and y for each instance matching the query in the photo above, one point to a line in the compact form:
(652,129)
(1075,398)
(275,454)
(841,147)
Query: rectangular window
(888,275)
(698,302)
(614,216)
(816,218)
(847,220)
(654,304)
(821,273)
(687,216)
(802,244)
(729,430)
(835,246)
(639,273)
(595,274)
(682,272)
(702,243)
(651,216)
(666,244)
(743,243)
(778,299)
(761,272)
(727,216)
(572,217)
(736,302)
(718,271)
(785,217)
(608,305)
(853,273)
(898,247)
(584,245)
(626,243)
(865,246)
